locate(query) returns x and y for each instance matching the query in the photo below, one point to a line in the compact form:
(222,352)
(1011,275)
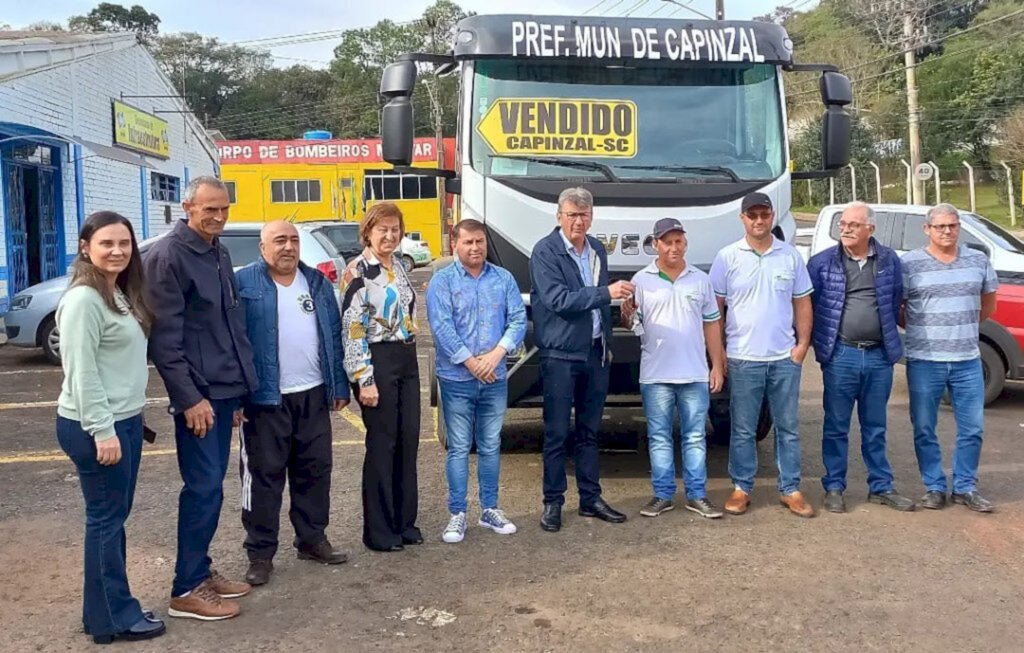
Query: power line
(635,7)
(930,59)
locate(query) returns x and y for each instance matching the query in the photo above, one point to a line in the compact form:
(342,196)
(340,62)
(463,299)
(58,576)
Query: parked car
(415,253)
(900,226)
(31,319)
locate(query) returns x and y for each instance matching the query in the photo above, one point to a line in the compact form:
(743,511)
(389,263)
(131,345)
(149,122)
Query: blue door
(17,227)
(35,238)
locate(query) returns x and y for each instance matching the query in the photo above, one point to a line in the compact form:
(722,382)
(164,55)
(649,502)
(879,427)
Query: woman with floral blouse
(379,325)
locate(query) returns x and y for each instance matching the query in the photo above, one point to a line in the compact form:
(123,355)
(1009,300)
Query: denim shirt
(582,262)
(469,316)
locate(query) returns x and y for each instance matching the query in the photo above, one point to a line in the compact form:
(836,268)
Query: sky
(243,20)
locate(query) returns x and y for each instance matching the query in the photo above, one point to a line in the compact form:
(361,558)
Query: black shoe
(893,500)
(602,511)
(703,507)
(323,553)
(834,501)
(656,506)
(259,571)
(413,537)
(974,501)
(142,629)
(394,548)
(933,500)
(551,520)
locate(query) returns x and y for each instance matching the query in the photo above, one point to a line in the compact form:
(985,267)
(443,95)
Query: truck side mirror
(836,89)
(835,138)
(398,79)
(981,248)
(396,130)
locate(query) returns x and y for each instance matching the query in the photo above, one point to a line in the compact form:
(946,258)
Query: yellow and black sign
(140,131)
(560,127)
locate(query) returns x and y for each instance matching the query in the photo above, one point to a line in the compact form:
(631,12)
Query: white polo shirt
(759,290)
(672,316)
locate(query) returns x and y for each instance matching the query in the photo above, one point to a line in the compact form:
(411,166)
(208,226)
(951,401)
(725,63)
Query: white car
(31,320)
(901,227)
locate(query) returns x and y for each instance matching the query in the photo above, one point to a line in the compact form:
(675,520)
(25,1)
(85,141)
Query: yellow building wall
(341,197)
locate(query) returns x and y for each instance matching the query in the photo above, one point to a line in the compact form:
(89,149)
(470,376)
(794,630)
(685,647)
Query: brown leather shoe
(227,589)
(204,604)
(797,504)
(738,502)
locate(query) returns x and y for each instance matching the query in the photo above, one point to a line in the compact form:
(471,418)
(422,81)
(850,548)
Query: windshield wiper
(708,170)
(565,163)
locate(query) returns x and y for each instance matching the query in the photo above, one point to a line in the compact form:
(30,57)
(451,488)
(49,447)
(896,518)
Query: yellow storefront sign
(560,127)
(140,131)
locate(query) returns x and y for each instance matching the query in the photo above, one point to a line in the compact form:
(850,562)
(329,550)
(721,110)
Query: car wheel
(408,263)
(721,425)
(435,400)
(50,340)
(994,369)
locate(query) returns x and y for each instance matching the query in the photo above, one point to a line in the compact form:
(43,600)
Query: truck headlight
(20,302)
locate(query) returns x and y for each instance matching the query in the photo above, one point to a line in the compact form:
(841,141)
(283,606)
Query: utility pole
(719,9)
(913,111)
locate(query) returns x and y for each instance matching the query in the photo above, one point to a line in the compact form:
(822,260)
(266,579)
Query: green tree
(109,17)
(278,104)
(968,90)
(207,72)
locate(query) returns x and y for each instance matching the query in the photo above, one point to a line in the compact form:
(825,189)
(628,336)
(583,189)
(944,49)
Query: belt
(860,344)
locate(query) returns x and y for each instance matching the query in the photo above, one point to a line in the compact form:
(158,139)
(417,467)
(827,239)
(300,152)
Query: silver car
(31,319)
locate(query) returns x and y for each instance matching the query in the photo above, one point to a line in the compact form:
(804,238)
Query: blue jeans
(863,376)
(928,381)
(750,383)
(661,400)
(108,606)
(473,411)
(203,462)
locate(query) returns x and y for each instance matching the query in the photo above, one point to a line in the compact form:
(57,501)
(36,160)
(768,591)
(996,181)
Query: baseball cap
(755,199)
(665,225)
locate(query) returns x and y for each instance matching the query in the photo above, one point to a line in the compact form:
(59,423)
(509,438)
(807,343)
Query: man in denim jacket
(294,324)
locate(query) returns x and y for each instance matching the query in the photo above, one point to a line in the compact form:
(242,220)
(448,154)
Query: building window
(164,188)
(289,191)
(231,191)
(391,185)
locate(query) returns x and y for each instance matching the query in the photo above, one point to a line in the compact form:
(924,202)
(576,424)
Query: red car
(1002,338)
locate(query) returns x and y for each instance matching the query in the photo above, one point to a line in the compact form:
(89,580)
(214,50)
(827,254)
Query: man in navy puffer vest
(858,288)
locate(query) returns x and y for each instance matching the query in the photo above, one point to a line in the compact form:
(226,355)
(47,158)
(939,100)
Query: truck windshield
(650,121)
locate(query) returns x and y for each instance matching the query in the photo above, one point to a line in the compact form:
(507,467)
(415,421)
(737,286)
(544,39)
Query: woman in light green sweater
(104,324)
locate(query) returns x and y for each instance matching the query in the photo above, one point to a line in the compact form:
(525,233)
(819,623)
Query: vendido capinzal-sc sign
(560,127)
(140,131)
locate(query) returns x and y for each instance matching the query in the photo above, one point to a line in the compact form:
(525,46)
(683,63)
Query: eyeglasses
(573,216)
(755,216)
(843,226)
(951,226)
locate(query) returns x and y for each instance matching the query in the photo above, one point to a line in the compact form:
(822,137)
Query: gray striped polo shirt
(944,303)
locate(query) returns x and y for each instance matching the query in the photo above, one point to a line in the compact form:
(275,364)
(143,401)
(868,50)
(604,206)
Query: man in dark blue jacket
(572,328)
(294,324)
(200,349)
(858,288)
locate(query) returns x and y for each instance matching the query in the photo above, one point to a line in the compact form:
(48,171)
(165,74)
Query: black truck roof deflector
(621,39)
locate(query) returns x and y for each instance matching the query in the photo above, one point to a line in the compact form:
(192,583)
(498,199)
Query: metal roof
(25,52)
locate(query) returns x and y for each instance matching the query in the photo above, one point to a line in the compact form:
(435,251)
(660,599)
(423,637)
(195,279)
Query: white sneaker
(496,520)
(456,529)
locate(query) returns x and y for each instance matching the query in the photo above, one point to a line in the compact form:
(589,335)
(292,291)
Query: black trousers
(293,440)
(390,486)
(582,385)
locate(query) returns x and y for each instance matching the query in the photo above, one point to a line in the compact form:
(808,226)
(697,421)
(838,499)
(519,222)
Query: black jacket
(198,344)
(562,324)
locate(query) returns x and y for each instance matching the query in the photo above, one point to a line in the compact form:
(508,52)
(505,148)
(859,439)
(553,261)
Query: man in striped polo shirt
(948,290)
